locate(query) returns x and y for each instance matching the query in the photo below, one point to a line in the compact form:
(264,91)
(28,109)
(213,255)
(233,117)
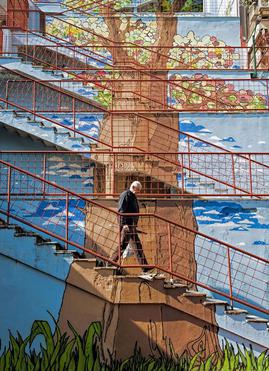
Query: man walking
(128,227)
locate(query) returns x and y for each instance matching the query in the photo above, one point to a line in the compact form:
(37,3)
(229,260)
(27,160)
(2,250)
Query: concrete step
(235,311)
(65,252)
(192,179)
(88,263)
(197,294)
(174,285)
(212,302)
(26,234)
(8,226)
(57,245)
(256,319)
(106,271)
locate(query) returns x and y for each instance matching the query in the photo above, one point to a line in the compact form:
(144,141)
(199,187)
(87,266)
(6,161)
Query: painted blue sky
(241,223)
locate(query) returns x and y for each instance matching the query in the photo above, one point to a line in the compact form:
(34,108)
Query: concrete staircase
(24,242)
(104,283)
(77,89)
(48,132)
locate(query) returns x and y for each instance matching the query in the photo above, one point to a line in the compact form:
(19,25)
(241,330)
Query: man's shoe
(146,276)
(152,271)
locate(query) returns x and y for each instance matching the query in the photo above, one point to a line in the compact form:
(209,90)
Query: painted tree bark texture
(122,316)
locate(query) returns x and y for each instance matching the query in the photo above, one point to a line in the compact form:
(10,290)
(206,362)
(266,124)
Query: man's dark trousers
(126,236)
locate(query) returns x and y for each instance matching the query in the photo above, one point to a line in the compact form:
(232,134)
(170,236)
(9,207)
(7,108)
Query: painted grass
(59,352)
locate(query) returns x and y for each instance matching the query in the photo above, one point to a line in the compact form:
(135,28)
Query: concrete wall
(32,283)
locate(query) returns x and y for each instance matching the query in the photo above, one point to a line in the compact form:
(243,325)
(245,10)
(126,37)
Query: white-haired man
(128,203)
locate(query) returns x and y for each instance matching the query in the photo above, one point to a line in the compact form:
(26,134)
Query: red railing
(106,8)
(223,269)
(116,135)
(163,175)
(77,57)
(55,99)
(17,13)
(177,57)
(175,95)
(202,58)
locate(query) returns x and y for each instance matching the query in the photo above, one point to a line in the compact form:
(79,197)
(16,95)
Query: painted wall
(143,30)
(10,141)
(32,283)
(242,223)
(242,132)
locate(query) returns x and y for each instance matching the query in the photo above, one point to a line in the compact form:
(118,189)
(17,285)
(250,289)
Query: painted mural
(193,45)
(199,92)
(85,292)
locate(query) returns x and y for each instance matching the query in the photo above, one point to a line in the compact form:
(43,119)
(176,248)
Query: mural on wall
(199,92)
(239,132)
(239,223)
(193,46)
(89,294)
(192,52)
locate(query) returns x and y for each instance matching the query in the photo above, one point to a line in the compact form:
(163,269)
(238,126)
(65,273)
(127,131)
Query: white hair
(136,185)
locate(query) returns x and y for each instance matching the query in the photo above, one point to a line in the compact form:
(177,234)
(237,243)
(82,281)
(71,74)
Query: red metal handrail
(107,144)
(217,101)
(192,50)
(167,260)
(189,136)
(161,174)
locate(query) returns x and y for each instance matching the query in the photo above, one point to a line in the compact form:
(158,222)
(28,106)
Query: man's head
(136,187)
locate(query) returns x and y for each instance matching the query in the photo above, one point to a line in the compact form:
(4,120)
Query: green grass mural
(59,352)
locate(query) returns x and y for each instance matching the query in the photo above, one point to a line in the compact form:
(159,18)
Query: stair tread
(105,268)
(170,285)
(91,260)
(236,311)
(251,318)
(215,302)
(64,252)
(194,293)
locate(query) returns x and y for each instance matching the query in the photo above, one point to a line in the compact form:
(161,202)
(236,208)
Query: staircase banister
(153,215)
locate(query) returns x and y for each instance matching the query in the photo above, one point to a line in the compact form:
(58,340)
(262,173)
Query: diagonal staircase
(17,202)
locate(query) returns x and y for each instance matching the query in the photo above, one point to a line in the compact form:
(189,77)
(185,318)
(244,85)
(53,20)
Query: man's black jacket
(128,204)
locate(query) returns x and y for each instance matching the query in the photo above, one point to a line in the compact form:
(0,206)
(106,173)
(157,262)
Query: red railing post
(74,116)
(113,175)
(170,250)
(230,277)
(112,96)
(164,95)
(250,176)
(67,220)
(233,172)
(34,98)
(216,95)
(44,173)
(56,59)
(8,193)
(267,91)
(182,174)
(7,83)
(119,242)
(111,129)
(27,39)
(189,157)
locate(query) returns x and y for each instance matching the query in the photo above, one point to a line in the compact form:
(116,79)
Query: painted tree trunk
(124,318)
